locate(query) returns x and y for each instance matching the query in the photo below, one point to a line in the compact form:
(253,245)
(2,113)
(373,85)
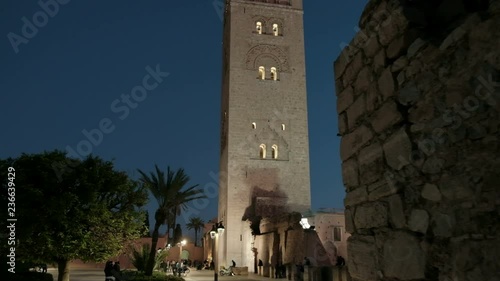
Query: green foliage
(156,276)
(177,234)
(172,195)
(30,276)
(197,224)
(72,209)
(140,257)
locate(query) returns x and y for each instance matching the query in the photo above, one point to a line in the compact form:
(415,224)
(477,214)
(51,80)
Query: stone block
(409,94)
(396,212)
(342,123)
(442,224)
(371,46)
(350,174)
(421,113)
(401,78)
(371,215)
(371,160)
(352,70)
(349,221)
(403,258)
(415,67)
(395,48)
(373,99)
(356,110)
(397,150)
(380,60)
(340,64)
(415,47)
(399,64)
(419,221)
(455,36)
(386,116)
(381,189)
(433,165)
(386,83)
(240,270)
(362,257)
(356,196)
(431,192)
(363,81)
(352,142)
(455,187)
(345,99)
(388,31)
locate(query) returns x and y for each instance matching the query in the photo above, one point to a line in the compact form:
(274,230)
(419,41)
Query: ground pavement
(77,274)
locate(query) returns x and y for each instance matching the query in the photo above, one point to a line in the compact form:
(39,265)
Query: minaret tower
(264,159)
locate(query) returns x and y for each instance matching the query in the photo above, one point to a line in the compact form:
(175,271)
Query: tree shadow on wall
(265,203)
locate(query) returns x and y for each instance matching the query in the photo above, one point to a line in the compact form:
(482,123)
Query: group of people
(112,271)
(209,265)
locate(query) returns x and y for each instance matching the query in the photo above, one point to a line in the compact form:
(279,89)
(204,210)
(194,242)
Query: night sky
(66,76)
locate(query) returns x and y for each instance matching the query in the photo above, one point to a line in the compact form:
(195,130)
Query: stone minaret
(264,159)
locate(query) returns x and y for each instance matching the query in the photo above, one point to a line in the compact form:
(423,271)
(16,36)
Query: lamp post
(217,229)
(182,243)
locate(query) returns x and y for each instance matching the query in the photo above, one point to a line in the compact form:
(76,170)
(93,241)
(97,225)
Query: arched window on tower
(276,30)
(275,151)
(258,27)
(274,74)
(262,151)
(262,72)
(254,125)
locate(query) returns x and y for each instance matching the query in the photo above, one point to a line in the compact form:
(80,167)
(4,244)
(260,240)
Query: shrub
(140,257)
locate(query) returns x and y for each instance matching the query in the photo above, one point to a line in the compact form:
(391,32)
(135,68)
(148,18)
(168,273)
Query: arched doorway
(185,255)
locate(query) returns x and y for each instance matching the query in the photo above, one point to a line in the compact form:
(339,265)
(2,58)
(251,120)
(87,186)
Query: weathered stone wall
(418,103)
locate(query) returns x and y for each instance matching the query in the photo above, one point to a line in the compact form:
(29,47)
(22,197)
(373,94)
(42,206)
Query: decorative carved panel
(265,54)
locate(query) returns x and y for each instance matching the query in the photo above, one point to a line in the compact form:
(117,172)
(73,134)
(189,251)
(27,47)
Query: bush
(157,276)
(31,276)
(140,257)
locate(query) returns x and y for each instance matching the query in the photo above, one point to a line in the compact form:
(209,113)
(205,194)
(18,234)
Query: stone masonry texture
(418,100)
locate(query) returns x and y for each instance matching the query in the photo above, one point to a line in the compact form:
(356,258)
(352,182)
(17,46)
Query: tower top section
(296,4)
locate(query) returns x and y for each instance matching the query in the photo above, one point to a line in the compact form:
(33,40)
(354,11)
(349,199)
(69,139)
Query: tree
(171,193)
(197,224)
(89,212)
(177,234)
(146,225)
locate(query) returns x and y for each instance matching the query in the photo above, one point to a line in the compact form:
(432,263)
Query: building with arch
(264,154)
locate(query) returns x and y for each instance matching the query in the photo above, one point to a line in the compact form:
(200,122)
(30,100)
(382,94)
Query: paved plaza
(194,275)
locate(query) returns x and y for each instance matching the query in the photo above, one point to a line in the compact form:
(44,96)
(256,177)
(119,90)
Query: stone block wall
(418,101)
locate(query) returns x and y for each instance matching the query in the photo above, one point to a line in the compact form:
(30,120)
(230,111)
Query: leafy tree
(170,192)
(89,212)
(197,224)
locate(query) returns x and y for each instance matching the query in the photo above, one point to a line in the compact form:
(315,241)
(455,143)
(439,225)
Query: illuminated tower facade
(264,159)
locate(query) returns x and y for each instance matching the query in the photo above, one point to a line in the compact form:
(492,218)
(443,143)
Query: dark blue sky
(68,75)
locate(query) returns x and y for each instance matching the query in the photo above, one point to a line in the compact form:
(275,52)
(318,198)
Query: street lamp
(217,229)
(180,244)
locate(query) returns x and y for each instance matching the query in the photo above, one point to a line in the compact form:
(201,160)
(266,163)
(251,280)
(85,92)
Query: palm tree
(170,193)
(197,224)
